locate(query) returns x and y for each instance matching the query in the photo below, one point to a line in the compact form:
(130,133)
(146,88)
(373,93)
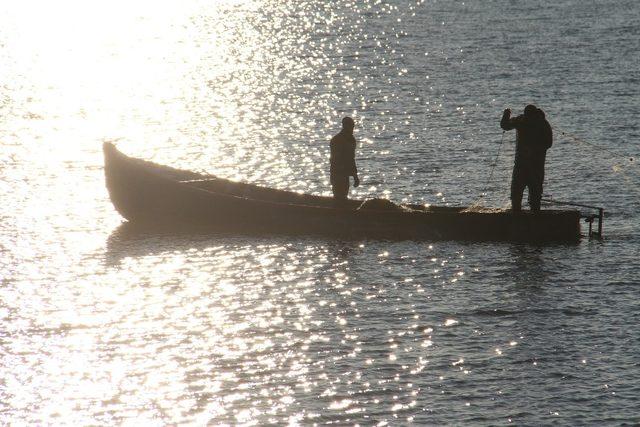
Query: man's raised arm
(507,123)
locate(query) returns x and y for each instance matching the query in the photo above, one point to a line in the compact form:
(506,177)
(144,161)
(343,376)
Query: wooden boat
(147,193)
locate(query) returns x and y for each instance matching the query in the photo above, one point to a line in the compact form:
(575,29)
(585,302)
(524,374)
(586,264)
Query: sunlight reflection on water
(102,325)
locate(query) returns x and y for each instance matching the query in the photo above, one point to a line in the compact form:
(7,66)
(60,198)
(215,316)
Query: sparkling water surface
(102,324)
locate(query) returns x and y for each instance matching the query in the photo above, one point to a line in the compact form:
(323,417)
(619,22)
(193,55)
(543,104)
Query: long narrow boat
(150,194)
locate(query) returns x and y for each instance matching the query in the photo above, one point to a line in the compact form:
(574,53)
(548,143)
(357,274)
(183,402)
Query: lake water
(102,326)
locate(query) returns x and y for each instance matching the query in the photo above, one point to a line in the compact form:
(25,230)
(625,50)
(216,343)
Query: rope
(622,167)
(595,146)
(493,168)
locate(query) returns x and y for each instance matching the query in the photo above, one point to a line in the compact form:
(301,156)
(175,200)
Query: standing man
(533,138)
(343,160)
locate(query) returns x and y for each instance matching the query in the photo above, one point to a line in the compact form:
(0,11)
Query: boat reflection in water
(133,240)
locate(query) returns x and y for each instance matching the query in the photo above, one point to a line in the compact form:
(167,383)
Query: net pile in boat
(382,205)
(482,209)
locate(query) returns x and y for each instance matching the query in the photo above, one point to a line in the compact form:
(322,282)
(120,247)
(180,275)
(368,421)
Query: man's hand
(507,112)
(356,181)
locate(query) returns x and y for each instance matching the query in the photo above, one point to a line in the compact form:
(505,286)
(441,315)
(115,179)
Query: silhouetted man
(343,160)
(533,138)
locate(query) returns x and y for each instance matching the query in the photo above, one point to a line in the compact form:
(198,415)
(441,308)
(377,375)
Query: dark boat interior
(250,191)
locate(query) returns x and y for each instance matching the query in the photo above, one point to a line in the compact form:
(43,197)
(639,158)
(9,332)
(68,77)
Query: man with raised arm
(533,138)
(343,160)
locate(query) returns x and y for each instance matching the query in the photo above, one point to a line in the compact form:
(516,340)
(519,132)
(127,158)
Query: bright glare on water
(102,325)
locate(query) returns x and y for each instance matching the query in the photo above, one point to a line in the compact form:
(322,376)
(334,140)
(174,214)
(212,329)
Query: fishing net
(623,166)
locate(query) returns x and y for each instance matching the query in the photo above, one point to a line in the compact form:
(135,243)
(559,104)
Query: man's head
(530,110)
(348,124)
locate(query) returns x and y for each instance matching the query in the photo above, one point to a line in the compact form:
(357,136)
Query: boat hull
(160,196)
